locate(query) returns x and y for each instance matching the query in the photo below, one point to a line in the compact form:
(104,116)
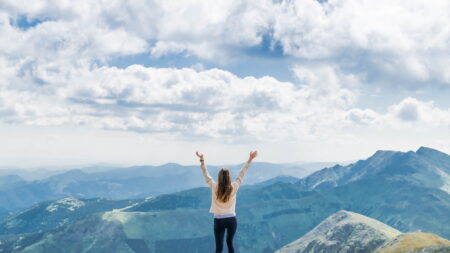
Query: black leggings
(220,225)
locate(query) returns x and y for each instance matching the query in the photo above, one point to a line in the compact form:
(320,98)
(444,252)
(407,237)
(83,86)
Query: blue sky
(149,82)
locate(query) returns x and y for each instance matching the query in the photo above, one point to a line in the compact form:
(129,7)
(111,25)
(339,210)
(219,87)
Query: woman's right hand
(199,155)
(253,154)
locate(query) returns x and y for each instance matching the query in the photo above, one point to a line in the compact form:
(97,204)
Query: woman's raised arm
(209,180)
(240,177)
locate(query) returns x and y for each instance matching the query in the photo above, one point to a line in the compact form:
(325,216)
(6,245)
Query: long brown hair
(224,187)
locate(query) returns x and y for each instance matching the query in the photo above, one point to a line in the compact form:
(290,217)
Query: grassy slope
(413,242)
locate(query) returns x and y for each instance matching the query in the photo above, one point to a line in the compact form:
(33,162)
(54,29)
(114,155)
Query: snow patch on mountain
(69,203)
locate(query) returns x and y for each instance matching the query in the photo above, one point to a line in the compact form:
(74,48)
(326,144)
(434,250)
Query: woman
(223,201)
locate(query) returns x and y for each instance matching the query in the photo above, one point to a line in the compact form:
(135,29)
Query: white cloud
(398,39)
(362,116)
(408,113)
(202,28)
(424,113)
(407,110)
(184,102)
(389,40)
(329,84)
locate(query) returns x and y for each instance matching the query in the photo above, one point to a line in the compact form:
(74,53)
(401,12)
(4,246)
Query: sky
(151,82)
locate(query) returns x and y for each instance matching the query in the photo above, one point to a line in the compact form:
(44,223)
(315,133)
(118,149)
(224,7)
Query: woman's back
(217,206)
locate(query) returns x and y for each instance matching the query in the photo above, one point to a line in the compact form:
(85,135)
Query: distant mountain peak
(382,151)
(423,148)
(426,166)
(427,150)
(382,154)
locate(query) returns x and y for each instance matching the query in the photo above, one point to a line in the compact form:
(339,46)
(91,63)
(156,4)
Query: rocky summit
(345,232)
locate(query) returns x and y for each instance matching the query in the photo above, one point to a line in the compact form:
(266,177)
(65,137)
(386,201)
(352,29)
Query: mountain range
(121,183)
(407,191)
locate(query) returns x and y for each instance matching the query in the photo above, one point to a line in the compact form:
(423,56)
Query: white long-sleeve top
(229,207)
